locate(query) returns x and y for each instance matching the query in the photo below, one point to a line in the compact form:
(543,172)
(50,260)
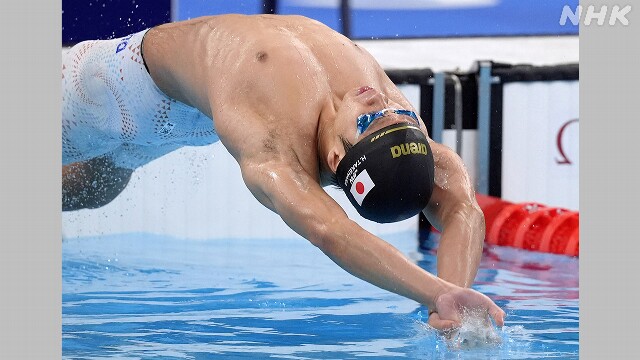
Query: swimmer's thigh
(92,184)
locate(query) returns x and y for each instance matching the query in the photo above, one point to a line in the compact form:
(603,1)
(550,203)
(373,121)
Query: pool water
(143,296)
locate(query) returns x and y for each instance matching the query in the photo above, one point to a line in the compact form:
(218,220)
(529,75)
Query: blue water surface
(143,296)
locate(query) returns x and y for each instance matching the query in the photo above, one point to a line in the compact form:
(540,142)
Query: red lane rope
(531,226)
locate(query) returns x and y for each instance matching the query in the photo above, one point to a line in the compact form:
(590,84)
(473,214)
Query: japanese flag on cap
(403,184)
(361,186)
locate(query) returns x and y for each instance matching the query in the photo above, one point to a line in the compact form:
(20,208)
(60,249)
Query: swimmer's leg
(93,183)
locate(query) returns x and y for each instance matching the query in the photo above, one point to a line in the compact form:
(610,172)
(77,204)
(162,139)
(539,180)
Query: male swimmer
(299,106)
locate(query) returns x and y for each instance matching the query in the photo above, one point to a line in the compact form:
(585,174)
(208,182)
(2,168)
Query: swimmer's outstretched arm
(454,211)
(289,191)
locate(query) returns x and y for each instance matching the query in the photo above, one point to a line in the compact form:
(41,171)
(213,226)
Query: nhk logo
(617,14)
(408,148)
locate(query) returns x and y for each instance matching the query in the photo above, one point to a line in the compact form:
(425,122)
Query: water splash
(476,331)
(474,340)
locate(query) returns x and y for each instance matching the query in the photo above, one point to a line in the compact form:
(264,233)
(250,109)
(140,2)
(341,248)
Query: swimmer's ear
(337,152)
(333,159)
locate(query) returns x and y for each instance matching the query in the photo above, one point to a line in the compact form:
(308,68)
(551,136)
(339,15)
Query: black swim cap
(388,175)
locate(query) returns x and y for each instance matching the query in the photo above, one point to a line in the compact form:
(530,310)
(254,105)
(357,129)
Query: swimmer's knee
(92,184)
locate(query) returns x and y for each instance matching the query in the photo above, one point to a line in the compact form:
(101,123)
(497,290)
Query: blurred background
(358,19)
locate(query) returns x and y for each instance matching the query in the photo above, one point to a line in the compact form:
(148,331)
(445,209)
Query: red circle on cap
(360,187)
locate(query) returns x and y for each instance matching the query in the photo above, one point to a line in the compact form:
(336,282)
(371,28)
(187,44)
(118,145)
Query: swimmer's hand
(451,305)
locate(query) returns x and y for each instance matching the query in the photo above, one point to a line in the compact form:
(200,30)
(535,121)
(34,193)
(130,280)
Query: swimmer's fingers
(451,305)
(493,311)
(447,315)
(442,325)
(497,315)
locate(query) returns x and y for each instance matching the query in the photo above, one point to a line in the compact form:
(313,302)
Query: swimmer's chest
(302,59)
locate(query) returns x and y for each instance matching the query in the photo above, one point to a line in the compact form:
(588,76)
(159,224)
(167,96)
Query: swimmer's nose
(370,97)
(377,99)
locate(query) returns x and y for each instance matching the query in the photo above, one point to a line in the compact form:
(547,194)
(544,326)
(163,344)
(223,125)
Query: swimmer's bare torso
(267,81)
(285,93)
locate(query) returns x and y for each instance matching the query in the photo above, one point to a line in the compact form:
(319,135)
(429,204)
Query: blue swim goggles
(365,120)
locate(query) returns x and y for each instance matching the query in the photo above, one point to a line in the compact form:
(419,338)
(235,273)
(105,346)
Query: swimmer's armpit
(92,184)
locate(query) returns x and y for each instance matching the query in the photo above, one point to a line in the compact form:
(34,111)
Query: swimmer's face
(357,102)
(362,101)
(365,120)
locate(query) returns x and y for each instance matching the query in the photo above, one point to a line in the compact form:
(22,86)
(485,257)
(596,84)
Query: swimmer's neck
(326,137)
